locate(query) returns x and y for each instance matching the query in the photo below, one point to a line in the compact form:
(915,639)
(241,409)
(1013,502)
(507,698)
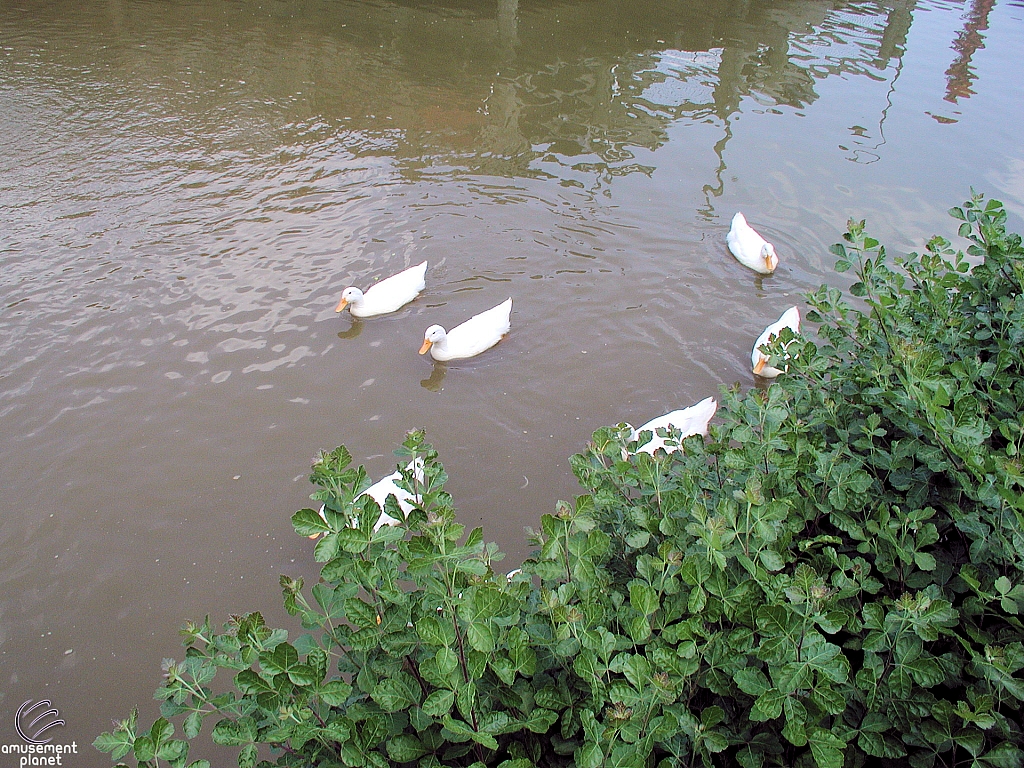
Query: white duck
(750,248)
(689,421)
(470,338)
(380,491)
(390,294)
(758,359)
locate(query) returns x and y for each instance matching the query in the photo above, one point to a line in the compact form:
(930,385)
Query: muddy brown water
(186,188)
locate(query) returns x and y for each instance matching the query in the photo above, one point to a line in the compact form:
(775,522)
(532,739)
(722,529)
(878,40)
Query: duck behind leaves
(758,359)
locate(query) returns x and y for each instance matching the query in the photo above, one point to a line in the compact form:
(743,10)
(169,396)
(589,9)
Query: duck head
(762,361)
(349,296)
(771,261)
(435,334)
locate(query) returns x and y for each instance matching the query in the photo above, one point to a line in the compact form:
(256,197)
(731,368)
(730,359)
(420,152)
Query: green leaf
(485,739)
(752,681)
(926,671)
(541,720)
(247,756)
(465,701)
(481,636)
(353,540)
(795,732)
(233,733)
(697,600)
(433,631)
(361,614)
(352,756)
(826,747)
(714,742)
(446,660)
(637,670)
(193,723)
(174,751)
(144,749)
(302,674)
(334,693)
(326,548)
(880,745)
(394,694)
(249,681)
(405,748)
(284,659)
(458,730)
(924,561)
(639,629)
(160,732)
(439,703)
(1003,755)
(829,699)
(590,755)
(118,743)
(771,560)
(768,705)
(307,522)
(497,723)
(643,598)
(970,739)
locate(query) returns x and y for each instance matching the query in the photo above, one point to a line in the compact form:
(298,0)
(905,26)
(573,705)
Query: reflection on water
(435,380)
(187,187)
(354,329)
(959,76)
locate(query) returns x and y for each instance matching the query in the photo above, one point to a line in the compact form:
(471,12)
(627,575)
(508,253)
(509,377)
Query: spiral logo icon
(35,719)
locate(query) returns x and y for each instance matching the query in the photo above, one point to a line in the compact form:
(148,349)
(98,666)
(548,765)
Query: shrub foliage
(835,577)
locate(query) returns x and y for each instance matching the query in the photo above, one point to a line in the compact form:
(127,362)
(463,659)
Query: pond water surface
(187,187)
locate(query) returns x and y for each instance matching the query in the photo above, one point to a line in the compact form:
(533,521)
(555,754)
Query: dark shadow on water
(759,283)
(354,330)
(436,379)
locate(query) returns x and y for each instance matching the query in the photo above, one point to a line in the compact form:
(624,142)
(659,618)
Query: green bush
(833,577)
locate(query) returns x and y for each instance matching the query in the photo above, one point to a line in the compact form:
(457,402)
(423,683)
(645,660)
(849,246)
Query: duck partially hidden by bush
(379,492)
(687,421)
(758,359)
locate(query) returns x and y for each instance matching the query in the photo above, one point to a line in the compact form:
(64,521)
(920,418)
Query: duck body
(383,488)
(388,486)
(472,337)
(749,248)
(758,359)
(388,295)
(689,421)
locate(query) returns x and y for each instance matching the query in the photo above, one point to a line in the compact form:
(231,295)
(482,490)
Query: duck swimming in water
(472,337)
(389,295)
(750,248)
